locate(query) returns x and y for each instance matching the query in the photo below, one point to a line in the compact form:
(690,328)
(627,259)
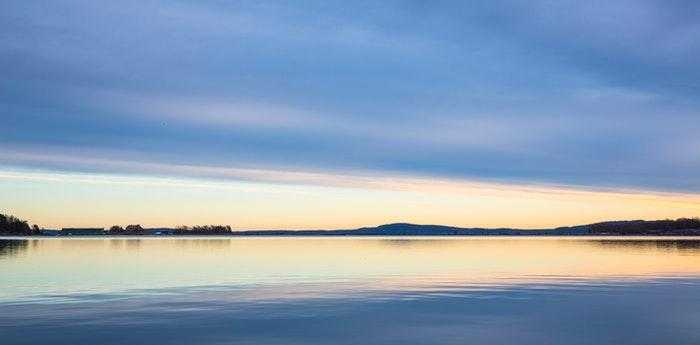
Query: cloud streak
(595,96)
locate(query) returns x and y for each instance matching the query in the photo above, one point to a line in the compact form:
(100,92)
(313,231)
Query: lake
(350,290)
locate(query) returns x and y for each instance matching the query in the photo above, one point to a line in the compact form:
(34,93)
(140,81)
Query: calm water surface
(468,290)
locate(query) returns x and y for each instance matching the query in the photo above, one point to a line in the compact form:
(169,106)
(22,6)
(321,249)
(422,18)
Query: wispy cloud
(113,171)
(595,94)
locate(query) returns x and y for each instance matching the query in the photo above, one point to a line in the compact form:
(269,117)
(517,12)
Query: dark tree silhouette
(11,225)
(133,227)
(204,230)
(116,230)
(680,226)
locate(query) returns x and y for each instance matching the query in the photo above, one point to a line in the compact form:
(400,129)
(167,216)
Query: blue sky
(587,95)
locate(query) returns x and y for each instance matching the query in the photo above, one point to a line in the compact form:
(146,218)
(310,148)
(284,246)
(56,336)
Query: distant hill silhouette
(681,226)
(10,225)
(678,227)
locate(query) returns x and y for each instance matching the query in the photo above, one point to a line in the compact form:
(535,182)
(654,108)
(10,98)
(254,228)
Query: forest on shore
(14,226)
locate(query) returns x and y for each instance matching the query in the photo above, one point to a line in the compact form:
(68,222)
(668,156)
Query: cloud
(592,94)
(130,172)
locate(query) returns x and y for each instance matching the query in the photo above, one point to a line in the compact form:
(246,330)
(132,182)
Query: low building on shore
(82,231)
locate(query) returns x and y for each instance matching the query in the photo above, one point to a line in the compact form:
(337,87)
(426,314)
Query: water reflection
(128,244)
(53,266)
(495,290)
(13,247)
(656,244)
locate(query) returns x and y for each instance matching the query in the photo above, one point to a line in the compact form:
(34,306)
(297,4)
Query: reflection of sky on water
(350,291)
(663,312)
(283,266)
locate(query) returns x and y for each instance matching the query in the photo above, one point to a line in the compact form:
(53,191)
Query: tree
(204,230)
(11,225)
(116,230)
(134,228)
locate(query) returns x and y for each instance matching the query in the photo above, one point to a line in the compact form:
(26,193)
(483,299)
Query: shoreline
(668,236)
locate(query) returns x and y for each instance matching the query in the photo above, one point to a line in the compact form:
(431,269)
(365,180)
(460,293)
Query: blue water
(350,291)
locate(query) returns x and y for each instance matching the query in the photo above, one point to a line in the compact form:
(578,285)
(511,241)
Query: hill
(678,227)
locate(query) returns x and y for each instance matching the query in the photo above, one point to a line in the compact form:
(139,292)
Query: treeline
(204,230)
(132,229)
(13,226)
(137,229)
(680,226)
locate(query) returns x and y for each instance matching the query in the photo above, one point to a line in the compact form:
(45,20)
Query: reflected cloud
(323,267)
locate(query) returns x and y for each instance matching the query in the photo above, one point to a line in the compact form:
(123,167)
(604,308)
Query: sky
(337,114)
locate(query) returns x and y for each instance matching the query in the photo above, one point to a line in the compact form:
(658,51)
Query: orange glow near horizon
(321,201)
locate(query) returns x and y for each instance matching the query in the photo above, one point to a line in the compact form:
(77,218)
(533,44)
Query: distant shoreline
(668,227)
(657,228)
(660,236)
